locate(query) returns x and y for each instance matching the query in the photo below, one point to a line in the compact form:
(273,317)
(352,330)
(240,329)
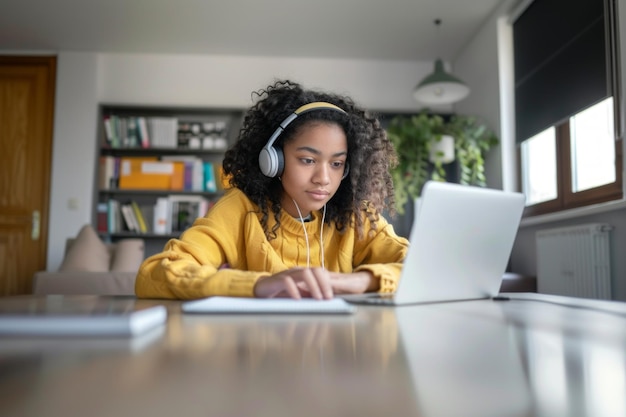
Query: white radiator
(575,261)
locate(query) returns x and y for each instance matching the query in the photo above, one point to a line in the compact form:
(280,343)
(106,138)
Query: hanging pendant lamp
(440,87)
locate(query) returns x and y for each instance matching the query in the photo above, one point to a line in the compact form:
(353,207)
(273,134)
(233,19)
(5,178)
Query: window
(539,167)
(567,104)
(593,147)
(574,163)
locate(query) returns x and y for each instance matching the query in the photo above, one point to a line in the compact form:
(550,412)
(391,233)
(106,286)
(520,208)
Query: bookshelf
(158,168)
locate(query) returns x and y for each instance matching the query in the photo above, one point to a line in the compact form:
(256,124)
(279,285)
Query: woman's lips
(319,195)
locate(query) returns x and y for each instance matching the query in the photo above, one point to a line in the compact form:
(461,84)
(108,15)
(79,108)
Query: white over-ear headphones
(271,159)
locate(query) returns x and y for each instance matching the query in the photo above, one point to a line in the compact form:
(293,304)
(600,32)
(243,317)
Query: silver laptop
(460,244)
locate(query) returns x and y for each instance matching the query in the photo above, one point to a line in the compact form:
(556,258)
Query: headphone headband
(317,105)
(270,159)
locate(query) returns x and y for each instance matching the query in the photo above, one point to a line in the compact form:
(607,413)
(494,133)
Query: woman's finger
(311,282)
(291,288)
(322,278)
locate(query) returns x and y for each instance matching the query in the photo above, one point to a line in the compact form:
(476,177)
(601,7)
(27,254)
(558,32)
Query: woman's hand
(296,283)
(316,283)
(353,283)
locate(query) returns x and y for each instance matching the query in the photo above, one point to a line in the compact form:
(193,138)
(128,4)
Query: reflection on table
(475,358)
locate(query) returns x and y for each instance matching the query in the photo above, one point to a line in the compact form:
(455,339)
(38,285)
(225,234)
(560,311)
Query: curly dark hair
(368,190)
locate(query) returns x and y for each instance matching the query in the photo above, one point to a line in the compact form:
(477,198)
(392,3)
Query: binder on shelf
(177,180)
(193,175)
(150,174)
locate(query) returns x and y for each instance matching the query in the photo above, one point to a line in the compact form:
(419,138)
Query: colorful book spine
(210,184)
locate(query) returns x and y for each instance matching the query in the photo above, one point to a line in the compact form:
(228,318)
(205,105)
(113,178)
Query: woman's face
(315,159)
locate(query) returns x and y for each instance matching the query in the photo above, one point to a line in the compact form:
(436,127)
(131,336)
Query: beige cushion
(128,255)
(88,253)
(101,283)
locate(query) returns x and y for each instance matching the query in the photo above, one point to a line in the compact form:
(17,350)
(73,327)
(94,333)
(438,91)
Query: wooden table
(473,358)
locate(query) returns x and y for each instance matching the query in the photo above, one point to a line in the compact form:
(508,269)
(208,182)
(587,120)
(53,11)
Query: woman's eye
(337,164)
(307,161)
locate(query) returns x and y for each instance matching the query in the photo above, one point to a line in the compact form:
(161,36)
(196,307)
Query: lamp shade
(440,87)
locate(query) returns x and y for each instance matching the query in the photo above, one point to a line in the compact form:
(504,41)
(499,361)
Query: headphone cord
(322,237)
(306,235)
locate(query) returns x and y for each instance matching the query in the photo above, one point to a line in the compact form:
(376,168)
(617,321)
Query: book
(161,224)
(108,131)
(144,133)
(114,219)
(106,178)
(183,210)
(197,180)
(132,133)
(102,217)
(129,218)
(242,305)
(147,212)
(184,213)
(191,178)
(59,315)
(143,228)
(210,184)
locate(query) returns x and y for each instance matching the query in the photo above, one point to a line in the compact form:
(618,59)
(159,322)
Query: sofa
(91,266)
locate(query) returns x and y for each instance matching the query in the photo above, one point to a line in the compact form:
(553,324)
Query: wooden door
(26,117)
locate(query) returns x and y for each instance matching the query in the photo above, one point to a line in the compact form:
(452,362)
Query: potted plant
(472,141)
(417,140)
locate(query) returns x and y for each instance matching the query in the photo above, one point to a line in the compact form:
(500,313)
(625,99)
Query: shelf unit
(142,148)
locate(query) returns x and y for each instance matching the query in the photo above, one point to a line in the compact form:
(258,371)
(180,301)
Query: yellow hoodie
(231,234)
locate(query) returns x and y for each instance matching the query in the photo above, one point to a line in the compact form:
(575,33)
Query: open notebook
(79,315)
(460,244)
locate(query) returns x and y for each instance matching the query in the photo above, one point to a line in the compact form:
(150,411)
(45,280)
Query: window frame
(567,199)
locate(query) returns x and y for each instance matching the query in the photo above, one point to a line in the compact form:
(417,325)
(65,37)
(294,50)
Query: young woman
(309,179)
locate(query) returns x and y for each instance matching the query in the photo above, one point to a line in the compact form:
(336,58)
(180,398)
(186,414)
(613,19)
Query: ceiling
(353,29)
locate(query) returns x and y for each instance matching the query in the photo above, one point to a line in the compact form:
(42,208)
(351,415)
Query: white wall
(74,150)
(478,65)
(86,80)
(227,81)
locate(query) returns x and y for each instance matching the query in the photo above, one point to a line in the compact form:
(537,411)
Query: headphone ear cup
(280,161)
(346,171)
(266,164)
(271,161)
